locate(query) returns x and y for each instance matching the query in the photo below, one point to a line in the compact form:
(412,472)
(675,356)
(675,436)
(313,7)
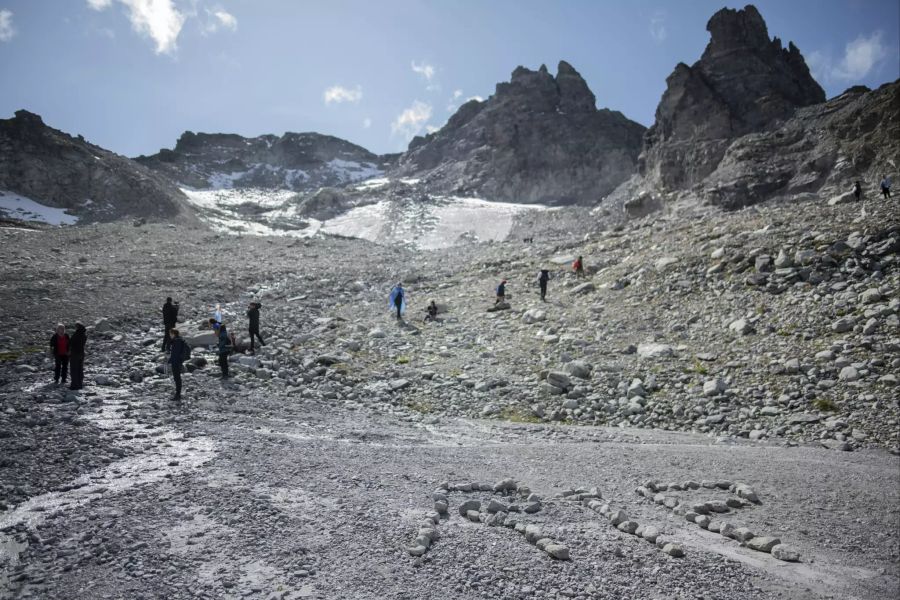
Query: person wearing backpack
(225,345)
(59,349)
(180,352)
(543,278)
(253,318)
(578,267)
(398,299)
(501,293)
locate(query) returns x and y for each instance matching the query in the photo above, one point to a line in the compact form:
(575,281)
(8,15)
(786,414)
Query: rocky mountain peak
(731,29)
(743,83)
(539,138)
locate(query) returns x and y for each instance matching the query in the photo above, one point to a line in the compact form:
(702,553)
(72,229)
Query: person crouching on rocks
(501,293)
(223,345)
(432,309)
(253,317)
(76,356)
(59,349)
(180,352)
(578,267)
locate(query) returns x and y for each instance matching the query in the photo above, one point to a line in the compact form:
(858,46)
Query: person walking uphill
(886,186)
(59,349)
(253,317)
(180,353)
(224,346)
(398,300)
(76,356)
(501,293)
(170,319)
(543,278)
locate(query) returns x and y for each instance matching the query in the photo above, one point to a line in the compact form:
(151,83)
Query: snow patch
(19,207)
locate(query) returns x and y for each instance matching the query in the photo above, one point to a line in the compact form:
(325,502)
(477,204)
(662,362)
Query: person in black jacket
(179,352)
(543,278)
(170,319)
(253,317)
(76,356)
(59,349)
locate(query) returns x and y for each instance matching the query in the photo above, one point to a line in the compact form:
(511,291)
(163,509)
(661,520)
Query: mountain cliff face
(293,161)
(743,83)
(58,170)
(538,139)
(822,149)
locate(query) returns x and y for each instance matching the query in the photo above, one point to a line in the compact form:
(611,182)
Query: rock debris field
(712,412)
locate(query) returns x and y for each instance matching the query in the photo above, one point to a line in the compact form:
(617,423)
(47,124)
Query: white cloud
(219,19)
(7,31)
(338,94)
(457,94)
(479,98)
(658,26)
(411,121)
(431,128)
(424,69)
(157,19)
(367,122)
(860,56)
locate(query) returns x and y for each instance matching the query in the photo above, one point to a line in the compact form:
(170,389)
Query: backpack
(185,351)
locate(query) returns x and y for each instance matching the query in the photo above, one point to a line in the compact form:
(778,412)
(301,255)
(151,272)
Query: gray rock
(654,350)
(673,550)
(557,551)
(763,543)
(785,553)
(741,327)
(468,505)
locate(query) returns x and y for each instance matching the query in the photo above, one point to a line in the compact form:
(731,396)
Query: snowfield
(440,222)
(19,207)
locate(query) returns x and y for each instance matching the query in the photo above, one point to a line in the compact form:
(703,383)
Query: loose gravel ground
(311,473)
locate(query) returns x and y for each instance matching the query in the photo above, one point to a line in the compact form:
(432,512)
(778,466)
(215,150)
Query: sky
(132,75)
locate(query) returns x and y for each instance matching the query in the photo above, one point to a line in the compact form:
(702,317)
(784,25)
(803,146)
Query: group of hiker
(885,188)
(68,351)
(397,297)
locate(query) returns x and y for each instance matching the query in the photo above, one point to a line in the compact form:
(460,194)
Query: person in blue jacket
(224,345)
(398,300)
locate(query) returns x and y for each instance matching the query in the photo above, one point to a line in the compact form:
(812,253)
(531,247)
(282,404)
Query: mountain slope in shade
(57,170)
(538,139)
(293,161)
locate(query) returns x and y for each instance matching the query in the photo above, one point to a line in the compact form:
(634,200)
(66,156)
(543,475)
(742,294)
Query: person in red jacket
(59,350)
(578,267)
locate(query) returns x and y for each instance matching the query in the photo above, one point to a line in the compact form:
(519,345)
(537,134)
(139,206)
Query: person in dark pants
(885,186)
(857,191)
(224,346)
(398,299)
(59,348)
(179,352)
(253,317)
(543,278)
(76,356)
(578,267)
(501,293)
(170,319)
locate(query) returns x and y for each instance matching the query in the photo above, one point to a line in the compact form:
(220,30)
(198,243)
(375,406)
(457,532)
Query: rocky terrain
(538,139)
(294,161)
(57,170)
(736,369)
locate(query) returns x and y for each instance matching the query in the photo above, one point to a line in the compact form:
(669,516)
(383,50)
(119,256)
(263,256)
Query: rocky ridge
(58,170)
(294,161)
(743,83)
(538,139)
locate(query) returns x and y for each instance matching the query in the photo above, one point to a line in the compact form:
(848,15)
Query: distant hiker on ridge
(180,353)
(885,186)
(170,319)
(501,293)
(59,349)
(76,356)
(578,267)
(543,278)
(398,299)
(253,317)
